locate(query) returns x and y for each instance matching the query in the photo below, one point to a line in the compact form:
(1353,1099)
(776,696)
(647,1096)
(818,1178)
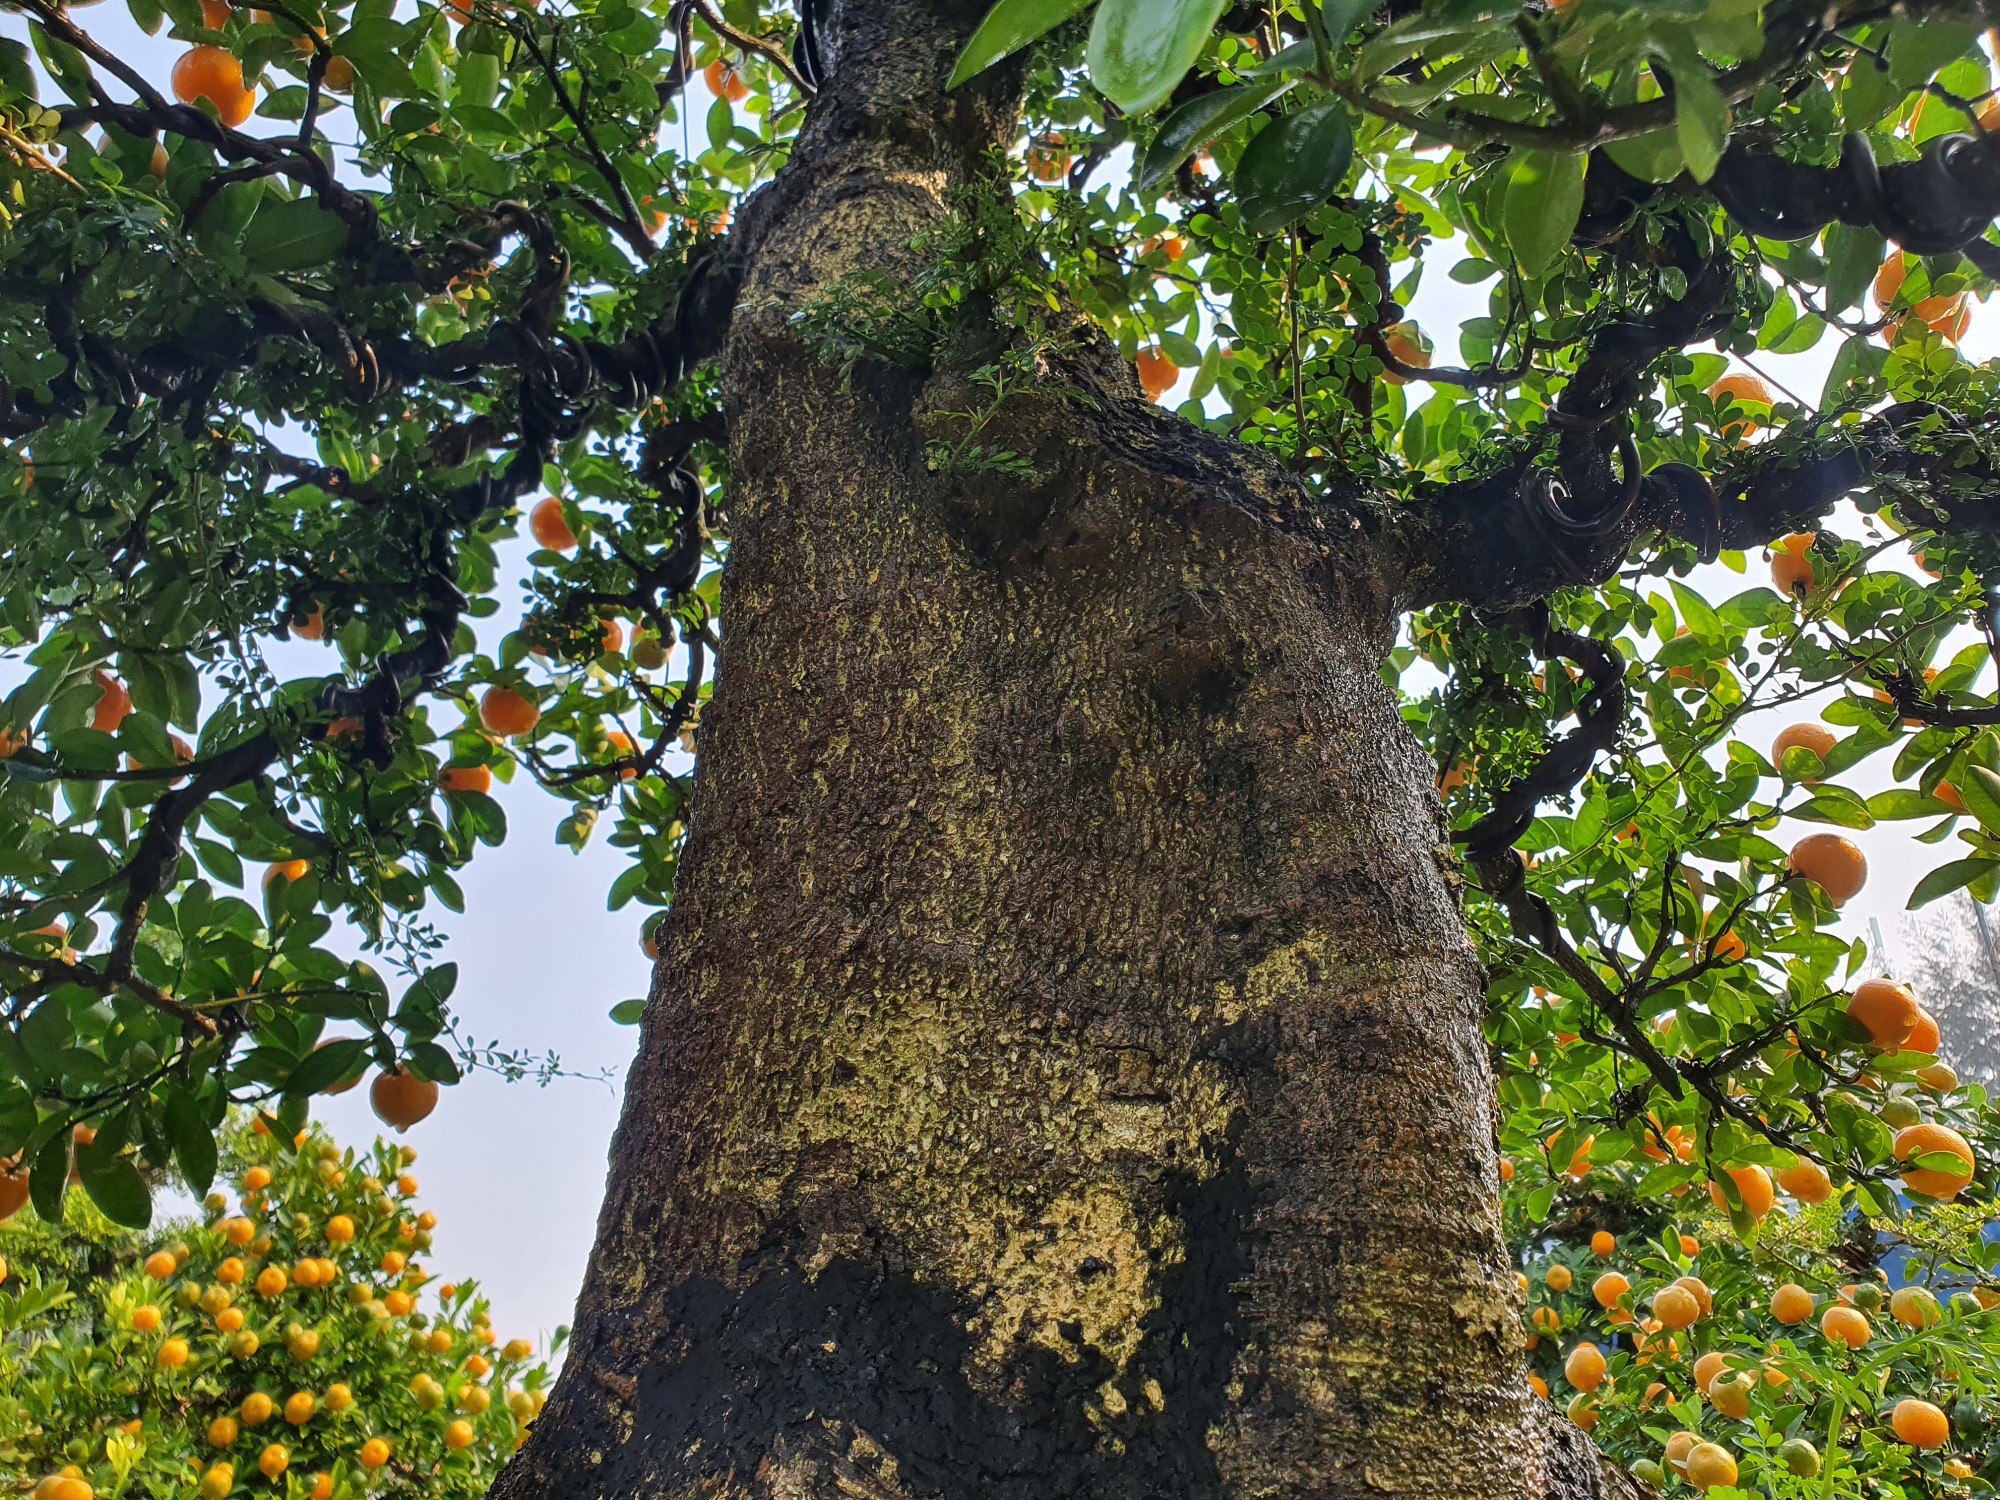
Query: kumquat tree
(285,1344)
(1086,1055)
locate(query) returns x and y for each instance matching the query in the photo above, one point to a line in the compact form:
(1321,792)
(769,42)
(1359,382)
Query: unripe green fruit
(1868,1297)
(1900,1114)
(1799,1458)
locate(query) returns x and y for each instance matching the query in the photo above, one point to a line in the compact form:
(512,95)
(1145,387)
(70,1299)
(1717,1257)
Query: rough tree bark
(1064,1074)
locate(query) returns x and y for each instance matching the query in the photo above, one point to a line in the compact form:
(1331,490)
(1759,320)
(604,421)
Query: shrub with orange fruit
(149,1380)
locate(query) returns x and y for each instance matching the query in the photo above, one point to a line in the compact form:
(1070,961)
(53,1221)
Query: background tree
(1954,963)
(274,1346)
(1067,1072)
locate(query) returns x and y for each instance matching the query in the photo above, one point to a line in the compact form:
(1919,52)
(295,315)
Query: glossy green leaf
(1194,124)
(1544,201)
(1140,50)
(1653,156)
(1008,27)
(1952,877)
(293,235)
(1293,166)
(1701,119)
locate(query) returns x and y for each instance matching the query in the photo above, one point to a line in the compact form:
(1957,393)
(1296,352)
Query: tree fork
(1064,1072)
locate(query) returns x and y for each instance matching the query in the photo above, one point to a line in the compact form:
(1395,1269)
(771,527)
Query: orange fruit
(1888,1010)
(238,1231)
(173,1354)
(1679,1446)
(1889,279)
(1947,317)
(1403,341)
(1170,245)
(312,627)
(401,1099)
(1583,1367)
(271,1281)
(222,1432)
(1791,1304)
(289,871)
(1603,1244)
(146,1319)
(322,1487)
(1920,1424)
(13,1191)
(1730,1394)
(1558,1277)
(1609,1287)
(1538,1385)
(214,74)
(1845,1325)
(508,713)
(1690,1246)
(299,1407)
(1707,1368)
(1676,1308)
(1928,1139)
(1709,1465)
(1833,863)
(1792,572)
(340,1229)
(1814,737)
(113,704)
(466,779)
(160,1265)
(724,81)
(273,1461)
(1047,160)
(1753,1186)
(374,1453)
(458,1436)
(550,527)
(1806,1181)
(1696,1288)
(257,1409)
(1743,390)
(1915,1307)
(1157,373)
(1731,948)
(1924,1036)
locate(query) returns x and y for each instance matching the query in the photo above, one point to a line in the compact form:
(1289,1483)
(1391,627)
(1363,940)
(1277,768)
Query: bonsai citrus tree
(1243,543)
(287,1343)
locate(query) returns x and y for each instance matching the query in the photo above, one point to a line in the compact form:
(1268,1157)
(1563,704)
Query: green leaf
(193,1140)
(1009,27)
(114,1184)
(429,1060)
(1701,118)
(628,1012)
(1293,166)
(1653,156)
(1853,255)
(48,1177)
(1695,610)
(1948,878)
(293,235)
(1836,805)
(1199,121)
(17,74)
(1140,50)
(328,1064)
(1980,789)
(1544,201)
(1918,49)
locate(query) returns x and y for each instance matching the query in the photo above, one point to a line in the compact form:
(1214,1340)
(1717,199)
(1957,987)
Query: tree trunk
(1064,1073)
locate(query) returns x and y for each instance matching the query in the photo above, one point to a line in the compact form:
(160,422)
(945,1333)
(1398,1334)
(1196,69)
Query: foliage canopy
(296,377)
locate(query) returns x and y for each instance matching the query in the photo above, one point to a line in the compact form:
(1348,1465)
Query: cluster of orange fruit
(246,1311)
(1725,1379)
